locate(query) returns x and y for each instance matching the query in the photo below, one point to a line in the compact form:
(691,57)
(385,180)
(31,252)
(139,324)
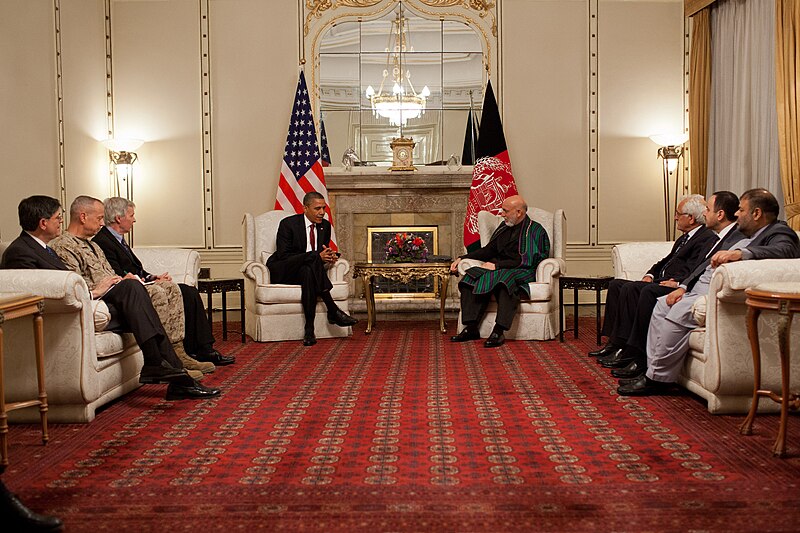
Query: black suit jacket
(776,241)
(120,259)
(292,240)
(25,252)
(678,264)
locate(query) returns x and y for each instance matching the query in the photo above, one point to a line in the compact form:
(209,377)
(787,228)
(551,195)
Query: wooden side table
(210,286)
(576,283)
(403,272)
(785,299)
(12,307)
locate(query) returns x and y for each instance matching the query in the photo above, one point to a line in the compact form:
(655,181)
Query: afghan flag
(492,180)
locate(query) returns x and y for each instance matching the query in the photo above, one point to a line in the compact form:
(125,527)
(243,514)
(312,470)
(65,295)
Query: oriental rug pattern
(402,430)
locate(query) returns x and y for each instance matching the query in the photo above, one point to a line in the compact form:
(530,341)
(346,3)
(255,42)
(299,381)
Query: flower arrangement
(406,248)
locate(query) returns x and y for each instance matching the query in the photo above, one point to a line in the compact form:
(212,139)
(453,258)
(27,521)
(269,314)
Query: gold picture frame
(376,241)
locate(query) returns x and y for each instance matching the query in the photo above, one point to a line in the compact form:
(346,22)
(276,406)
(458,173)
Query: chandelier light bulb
(403,102)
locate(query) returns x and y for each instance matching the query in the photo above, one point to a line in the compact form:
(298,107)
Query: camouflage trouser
(167,301)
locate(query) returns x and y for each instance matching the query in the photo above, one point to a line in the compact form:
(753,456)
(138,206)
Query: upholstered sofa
(85,366)
(272,310)
(537,317)
(719,367)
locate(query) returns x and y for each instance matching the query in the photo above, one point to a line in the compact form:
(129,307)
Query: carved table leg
(752,333)
(784,332)
(370,297)
(38,337)
(445,280)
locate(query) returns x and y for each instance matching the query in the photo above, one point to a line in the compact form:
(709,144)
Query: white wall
(193,183)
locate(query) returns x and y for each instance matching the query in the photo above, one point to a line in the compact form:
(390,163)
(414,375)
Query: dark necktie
(312,240)
(51,251)
(680,244)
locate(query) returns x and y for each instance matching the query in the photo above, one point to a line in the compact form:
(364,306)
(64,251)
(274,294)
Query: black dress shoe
(191,392)
(605,350)
(643,386)
(216,358)
(309,339)
(628,381)
(466,334)
(17,517)
(616,360)
(495,340)
(341,319)
(635,368)
(163,373)
(610,355)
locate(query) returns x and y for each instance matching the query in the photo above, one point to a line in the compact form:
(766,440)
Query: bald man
(510,259)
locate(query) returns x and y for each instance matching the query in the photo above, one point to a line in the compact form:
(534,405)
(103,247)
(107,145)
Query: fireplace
(396,244)
(374,197)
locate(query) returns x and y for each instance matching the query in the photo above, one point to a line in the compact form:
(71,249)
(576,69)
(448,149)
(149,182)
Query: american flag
(323,143)
(301,170)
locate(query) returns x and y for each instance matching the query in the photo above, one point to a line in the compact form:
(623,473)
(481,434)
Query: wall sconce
(121,153)
(670,152)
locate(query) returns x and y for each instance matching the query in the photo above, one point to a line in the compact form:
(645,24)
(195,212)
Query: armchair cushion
(101,315)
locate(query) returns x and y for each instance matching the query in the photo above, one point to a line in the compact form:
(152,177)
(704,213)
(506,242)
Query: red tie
(312,238)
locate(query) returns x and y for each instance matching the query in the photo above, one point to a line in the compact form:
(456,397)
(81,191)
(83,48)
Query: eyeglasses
(677,214)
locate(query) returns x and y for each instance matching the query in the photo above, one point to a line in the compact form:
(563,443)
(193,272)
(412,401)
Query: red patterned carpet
(402,430)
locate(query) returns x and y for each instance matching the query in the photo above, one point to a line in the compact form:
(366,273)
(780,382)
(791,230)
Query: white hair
(116,207)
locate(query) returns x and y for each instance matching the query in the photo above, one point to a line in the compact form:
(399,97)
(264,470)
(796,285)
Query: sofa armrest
(731,279)
(549,269)
(632,259)
(182,264)
(466,264)
(64,291)
(256,272)
(339,270)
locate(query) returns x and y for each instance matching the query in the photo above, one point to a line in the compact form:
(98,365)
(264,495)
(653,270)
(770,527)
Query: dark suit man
(130,306)
(668,335)
(720,218)
(622,299)
(120,216)
(301,256)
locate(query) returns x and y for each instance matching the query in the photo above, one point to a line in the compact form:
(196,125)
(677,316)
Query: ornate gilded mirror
(405,70)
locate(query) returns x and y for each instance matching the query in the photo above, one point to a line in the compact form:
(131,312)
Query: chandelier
(403,102)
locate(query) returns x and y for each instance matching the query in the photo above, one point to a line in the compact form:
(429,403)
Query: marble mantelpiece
(375,196)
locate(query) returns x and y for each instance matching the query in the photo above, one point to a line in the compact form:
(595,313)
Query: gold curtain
(787,76)
(699,99)
(690,7)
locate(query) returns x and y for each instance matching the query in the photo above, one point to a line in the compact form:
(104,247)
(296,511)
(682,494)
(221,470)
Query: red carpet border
(402,430)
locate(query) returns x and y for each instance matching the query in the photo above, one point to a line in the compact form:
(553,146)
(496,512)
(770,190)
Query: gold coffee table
(402,272)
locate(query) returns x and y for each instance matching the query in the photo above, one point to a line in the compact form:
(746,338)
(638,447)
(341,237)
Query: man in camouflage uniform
(88,260)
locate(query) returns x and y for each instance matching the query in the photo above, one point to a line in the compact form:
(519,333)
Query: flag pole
(472,129)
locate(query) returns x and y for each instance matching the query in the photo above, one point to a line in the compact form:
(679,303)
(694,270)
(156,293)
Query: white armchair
(273,311)
(537,317)
(719,365)
(85,366)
